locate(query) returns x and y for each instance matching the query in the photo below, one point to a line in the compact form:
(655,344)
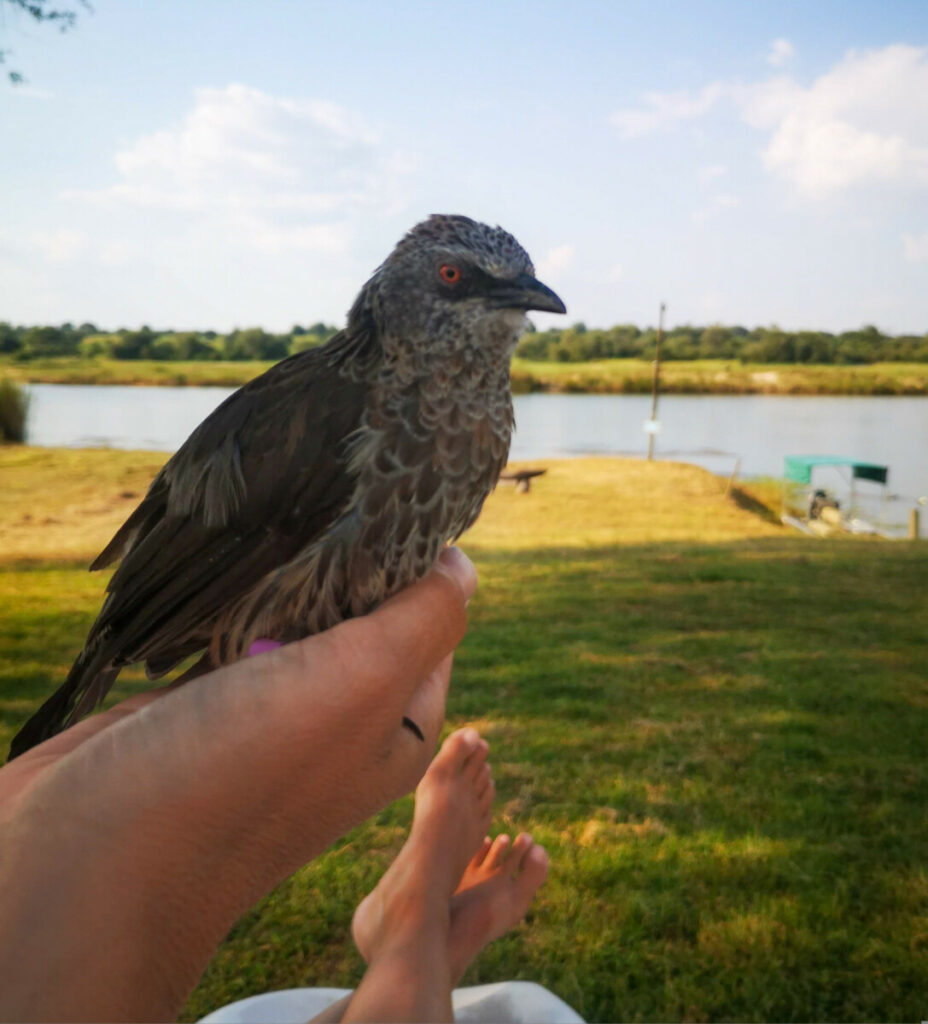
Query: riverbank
(607,376)
(714,726)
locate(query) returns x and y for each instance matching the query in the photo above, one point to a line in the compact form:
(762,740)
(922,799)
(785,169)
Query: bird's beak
(526,292)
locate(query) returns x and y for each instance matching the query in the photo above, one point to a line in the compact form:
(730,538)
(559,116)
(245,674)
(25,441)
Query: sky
(219,163)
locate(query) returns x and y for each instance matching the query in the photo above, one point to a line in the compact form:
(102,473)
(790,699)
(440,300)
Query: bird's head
(453,282)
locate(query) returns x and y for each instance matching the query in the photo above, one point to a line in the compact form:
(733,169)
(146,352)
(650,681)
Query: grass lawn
(717,728)
(626,376)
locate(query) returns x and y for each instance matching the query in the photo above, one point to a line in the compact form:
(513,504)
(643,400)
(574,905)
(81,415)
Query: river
(714,431)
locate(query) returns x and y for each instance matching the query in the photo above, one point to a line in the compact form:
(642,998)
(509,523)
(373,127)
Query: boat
(823,516)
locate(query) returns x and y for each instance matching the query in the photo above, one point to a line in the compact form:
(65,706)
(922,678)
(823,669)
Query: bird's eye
(449,273)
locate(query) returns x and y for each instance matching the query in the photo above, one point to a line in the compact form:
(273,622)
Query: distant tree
(93,345)
(62,14)
(39,342)
(573,344)
(536,345)
(164,346)
(191,346)
(14,406)
(133,344)
(864,346)
(9,339)
(648,342)
(681,343)
(255,343)
(814,347)
(716,342)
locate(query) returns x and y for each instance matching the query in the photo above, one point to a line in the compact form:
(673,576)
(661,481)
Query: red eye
(449,273)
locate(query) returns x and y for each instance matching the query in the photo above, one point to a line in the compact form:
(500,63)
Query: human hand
(130,843)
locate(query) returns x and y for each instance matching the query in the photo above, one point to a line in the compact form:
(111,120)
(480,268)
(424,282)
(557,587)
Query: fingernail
(454,563)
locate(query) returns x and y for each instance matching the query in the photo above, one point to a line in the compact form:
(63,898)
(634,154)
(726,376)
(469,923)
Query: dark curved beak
(526,292)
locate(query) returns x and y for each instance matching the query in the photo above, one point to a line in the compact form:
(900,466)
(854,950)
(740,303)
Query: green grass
(626,376)
(719,737)
(75,370)
(721,376)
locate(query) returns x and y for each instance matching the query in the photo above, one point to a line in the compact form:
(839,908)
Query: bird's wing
(260,478)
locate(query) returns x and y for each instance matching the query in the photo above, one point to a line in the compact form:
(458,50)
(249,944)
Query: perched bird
(326,484)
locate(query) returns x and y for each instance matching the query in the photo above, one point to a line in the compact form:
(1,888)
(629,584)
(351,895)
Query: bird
(328,483)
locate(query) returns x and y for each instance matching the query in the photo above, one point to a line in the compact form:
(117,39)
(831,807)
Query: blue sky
(213,164)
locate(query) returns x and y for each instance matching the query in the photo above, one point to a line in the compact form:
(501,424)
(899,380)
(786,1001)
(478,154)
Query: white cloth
(519,1002)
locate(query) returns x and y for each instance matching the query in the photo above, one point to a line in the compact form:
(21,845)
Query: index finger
(389,652)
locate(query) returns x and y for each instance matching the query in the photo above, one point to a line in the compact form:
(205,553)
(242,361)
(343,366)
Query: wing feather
(259,479)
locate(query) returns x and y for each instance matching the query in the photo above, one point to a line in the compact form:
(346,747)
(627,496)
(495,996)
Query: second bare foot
(452,813)
(494,895)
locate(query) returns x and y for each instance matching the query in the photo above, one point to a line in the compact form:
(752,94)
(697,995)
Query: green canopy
(799,468)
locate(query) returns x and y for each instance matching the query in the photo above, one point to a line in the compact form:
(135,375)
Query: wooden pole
(655,380)
(913,524)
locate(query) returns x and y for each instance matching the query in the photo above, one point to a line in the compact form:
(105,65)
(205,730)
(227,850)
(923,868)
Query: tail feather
(87,683)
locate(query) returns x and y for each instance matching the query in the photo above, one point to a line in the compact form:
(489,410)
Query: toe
(477,759)
(485,800)
(498,852)
(456,749)
(520,850)
(534,869)
(483,779)
(481,855)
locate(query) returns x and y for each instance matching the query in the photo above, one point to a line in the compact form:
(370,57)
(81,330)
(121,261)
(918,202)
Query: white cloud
(117,254)
(723,201)
(865,120)
(916,247)
(615,273)
(665,109)
(270,171)
(781,52)
(556,259)
(59,246)
(712,171)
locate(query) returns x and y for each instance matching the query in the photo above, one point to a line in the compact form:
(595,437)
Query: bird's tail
(90,678)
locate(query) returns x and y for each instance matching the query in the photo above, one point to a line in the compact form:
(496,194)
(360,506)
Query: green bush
(14,404)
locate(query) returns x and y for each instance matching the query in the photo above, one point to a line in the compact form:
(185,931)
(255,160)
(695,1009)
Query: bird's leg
(198,668)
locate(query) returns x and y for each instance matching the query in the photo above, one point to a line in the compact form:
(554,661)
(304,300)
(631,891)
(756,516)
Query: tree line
(577,343)
(87,341)
(760,345)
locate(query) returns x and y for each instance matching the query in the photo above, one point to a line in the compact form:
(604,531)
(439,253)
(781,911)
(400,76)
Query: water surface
(714,431)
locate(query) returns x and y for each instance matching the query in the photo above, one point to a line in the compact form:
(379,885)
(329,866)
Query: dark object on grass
(522,478)
(329,482)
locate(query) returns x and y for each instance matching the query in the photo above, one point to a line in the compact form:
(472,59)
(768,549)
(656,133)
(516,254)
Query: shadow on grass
(722,746)
(750,504)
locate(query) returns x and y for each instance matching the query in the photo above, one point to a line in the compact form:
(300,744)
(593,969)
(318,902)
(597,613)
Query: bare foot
(494,895)
(453,803)
(493,892)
